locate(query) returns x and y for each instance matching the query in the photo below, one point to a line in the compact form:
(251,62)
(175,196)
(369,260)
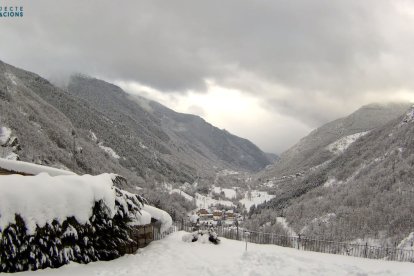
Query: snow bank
(172,256)
(5,133)
(42,198)
(144,219)
(30,168)
(160,215)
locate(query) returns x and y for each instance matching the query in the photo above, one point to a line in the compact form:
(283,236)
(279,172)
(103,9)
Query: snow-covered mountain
(182,138)
(322,143)
(94,127)
(362,190)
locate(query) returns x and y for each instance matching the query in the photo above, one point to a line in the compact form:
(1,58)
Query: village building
(217,215)
(204,214)
(230,215)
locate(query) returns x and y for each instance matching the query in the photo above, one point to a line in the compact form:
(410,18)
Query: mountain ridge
(72,127)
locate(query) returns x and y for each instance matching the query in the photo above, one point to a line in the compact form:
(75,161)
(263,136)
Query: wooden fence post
(145,236)
(366,250)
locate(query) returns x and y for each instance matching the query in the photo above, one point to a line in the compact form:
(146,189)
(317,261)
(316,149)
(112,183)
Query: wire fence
(300,242)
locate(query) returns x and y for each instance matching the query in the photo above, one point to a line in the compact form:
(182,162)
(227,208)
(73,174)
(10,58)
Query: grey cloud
(174,45)
(197,110)
(334,49)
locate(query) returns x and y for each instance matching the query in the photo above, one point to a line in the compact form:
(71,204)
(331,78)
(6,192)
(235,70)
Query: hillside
(314,149)
(180,138)
(172,256)
(366,192)
(95,127)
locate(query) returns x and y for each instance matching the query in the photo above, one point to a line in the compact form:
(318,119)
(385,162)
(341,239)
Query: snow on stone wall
(30,168)
(160,215)
(49,221)
(43,198)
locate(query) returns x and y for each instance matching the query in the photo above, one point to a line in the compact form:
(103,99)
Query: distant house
(217,215)
(203,212)
(229,215)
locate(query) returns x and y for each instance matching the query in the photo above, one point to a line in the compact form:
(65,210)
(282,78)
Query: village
(216,217)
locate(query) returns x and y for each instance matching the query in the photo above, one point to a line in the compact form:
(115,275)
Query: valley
(348,180)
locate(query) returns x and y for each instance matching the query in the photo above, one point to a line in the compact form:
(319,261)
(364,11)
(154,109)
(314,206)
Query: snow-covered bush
(203,236)
(54,220)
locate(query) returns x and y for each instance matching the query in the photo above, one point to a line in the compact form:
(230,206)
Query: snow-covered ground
(285,225)
(342,144)
(331,182)
(182,193)
(228,193)
(172,256)
(106,149)
(109,150)
(227,172)
(203,201)
(171,190)
(256,198)
(5,133)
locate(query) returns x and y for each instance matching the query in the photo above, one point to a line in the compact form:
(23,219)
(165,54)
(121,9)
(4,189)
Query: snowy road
(172,256)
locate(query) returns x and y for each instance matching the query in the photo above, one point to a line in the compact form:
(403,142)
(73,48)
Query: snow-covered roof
(30,168)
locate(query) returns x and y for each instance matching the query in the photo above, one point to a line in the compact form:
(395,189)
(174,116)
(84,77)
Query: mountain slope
(41,133)
(210,141)
(180,138)
(364,193)
(96,127)
(313,149)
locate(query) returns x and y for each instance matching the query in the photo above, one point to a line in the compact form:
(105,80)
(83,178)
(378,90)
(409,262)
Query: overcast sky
(269,71)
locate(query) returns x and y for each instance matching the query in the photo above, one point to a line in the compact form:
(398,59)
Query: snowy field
(342,144)
(228,193)
(172,256)
(255,198)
